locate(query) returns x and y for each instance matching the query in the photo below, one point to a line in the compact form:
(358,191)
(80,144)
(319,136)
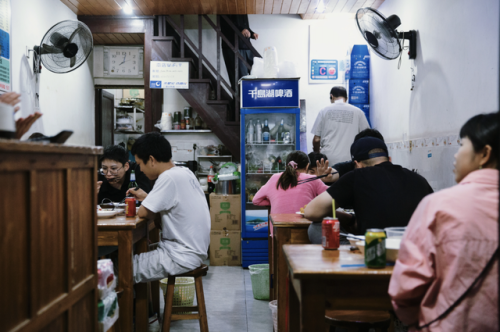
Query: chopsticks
(315,178)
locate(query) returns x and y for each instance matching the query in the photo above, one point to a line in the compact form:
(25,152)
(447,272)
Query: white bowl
(395,232)
(391,248)
(107,213)
(353,240)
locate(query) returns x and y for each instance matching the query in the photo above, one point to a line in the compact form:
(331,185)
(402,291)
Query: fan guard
(65,47)
(381,34)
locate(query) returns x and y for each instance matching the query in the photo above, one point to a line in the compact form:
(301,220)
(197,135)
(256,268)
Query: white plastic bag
(287,69)
(108,312)
(258,67)
(106,281)
(271,68)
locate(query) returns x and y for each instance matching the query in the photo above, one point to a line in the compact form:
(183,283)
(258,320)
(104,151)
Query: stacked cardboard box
(225,234)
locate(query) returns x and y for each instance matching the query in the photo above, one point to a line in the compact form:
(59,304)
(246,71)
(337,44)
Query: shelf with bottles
(269,143)
(270,129)
(186,131)
(129,108)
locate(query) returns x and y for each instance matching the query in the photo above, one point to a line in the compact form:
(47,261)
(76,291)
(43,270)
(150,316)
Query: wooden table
(316,277)
(286,229)
(124,233)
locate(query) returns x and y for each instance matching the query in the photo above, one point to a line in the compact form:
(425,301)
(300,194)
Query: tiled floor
(230,304)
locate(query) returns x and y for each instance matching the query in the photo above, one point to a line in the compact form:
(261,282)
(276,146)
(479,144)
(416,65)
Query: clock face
(123,62)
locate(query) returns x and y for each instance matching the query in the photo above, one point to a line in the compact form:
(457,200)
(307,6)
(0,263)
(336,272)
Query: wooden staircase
(222,113)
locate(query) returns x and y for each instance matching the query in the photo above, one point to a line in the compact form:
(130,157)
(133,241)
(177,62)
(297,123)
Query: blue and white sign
(325,70)
(169,75)
(260,93)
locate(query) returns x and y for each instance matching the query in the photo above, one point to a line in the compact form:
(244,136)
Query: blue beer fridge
(263,152)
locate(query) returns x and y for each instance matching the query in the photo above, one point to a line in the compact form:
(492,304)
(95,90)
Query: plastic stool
(358,320)
(170,310)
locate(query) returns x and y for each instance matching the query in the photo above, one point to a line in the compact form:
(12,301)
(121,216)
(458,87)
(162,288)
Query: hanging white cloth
(27,84)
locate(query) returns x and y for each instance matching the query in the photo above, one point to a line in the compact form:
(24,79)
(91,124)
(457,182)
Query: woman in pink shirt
(451,239)
(282,191)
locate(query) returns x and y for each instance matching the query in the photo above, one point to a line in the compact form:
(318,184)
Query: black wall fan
(381,33)
(65,47)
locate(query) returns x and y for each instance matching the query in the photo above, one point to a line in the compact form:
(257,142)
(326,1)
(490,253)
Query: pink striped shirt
(290,200)
(449,240)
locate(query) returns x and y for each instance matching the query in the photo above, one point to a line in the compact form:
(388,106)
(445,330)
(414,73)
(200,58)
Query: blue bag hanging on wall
(360,62)
(359,91)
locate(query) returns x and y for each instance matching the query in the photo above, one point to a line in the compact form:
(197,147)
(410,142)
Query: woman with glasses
(114,175)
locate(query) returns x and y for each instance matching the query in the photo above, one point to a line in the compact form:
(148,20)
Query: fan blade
(72,62)
(49,49)
(74,34)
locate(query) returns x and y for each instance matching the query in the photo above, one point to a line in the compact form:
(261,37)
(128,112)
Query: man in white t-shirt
(336,126)
(177,198)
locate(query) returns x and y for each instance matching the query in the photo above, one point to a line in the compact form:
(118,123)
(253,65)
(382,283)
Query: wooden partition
(48,237)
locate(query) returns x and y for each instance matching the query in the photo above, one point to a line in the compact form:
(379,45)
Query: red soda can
(130,208)
(330,233)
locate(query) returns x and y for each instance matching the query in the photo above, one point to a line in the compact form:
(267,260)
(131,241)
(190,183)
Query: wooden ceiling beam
(84,7)
(294,7)
(251,7)
(213,7)
(277,6)
(71,6)
(268,6)
(348,6)
(259,6)
(285,7)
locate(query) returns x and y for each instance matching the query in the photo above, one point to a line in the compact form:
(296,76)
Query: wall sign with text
(169,75)
(5,46)
(324,70)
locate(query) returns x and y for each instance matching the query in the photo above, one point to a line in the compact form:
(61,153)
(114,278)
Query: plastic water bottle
(250,132)
(258,132)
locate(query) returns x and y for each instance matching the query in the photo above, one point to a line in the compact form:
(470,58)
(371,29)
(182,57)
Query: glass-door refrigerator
(270,121)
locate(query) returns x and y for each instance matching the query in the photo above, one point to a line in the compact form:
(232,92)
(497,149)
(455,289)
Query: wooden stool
(200,299)
(358,320)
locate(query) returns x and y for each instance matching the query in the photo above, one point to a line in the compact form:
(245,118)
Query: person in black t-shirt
(114,177)
(241,23)
(381,194)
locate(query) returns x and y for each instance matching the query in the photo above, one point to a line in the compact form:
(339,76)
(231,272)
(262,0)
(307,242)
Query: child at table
(283,192)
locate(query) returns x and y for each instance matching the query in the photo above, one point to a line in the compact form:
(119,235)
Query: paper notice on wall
(169,75)
(326,58)
(5,46)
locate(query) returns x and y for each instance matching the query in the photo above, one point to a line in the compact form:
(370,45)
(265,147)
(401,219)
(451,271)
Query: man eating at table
(114,178)
(382,194)
(178,200)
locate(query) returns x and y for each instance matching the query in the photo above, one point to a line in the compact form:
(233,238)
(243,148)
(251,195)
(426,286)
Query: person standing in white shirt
(176,198)
(336,126)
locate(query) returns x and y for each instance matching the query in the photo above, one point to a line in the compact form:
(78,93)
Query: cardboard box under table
(225,212)
(225,248)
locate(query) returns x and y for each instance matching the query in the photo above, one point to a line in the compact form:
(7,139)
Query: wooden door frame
(99,94)
(142,24)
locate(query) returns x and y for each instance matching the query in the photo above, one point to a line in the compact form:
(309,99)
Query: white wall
(456,78)
(66,100)
(456,66)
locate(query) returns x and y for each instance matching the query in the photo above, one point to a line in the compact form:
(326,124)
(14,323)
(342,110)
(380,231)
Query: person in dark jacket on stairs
(241,22)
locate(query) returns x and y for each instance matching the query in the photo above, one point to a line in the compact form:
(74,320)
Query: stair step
(217,102)
(182,60)
(200,80)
